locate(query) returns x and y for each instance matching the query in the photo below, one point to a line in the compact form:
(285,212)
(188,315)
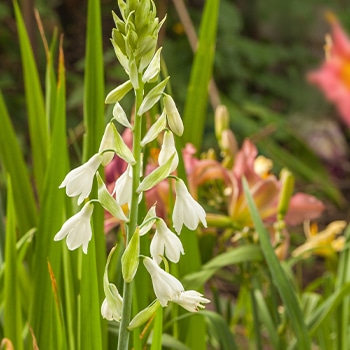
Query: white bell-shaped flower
(107,142)
(79,180)
(167,150)
(191,300)
(166,287)
(123,187)
(77,229)
(186,211)
(107,311)
(165,240)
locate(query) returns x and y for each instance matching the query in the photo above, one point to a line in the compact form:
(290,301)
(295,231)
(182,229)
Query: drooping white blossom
(111,314)
(191,300)
(166,287)
(149,220)
(186,211)
(167,150)
(123,187)
(166,241)
(107,142)
(79,180)
(77,229)
(111,308)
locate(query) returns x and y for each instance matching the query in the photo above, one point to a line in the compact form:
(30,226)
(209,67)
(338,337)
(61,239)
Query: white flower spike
(165,240)
(167,150)
(186,210)
(166,287)
(79,180)
(77,229)
(191,300)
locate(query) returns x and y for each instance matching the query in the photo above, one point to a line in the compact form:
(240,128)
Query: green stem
(123,341)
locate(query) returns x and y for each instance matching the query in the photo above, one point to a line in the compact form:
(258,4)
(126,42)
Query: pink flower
(333,77)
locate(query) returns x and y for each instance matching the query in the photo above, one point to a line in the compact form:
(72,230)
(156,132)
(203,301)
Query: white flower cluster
(143,69)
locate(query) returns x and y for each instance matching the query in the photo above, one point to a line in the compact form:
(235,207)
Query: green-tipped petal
(122,150)
(173,115)
(155,130)
(153,69)
(130,258)
(108,202)
(156,175)
(119,92)
(152,97)
(120,116)
(113,297)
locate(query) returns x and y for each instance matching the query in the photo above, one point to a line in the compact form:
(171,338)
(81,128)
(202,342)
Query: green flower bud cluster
(135,37)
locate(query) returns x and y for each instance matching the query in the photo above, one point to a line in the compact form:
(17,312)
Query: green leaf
(219,329)
(279,278)
(45,312)
(92,328)
(157,330)
(12,158)
(171,342)
(343,277)
(235,256)
(38,127)
(197,92)
(12,314)
(266,319)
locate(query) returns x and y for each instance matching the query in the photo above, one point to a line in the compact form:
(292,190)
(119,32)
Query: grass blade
(286,290)
(35,104)
(235,256)
(197,94)
(12,159)
(12,312)
(93,331)
(45,318)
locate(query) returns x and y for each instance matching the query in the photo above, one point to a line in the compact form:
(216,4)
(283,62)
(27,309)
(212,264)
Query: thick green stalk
(124,334)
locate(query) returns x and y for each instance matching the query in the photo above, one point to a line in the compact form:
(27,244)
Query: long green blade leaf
(46,317)
(92,329)
(35,104)
(279,278)
(197,93)
(12,312)
(235,256)
(12,159)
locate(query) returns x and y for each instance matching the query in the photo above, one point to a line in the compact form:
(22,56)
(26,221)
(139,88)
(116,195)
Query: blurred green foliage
(263,51)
